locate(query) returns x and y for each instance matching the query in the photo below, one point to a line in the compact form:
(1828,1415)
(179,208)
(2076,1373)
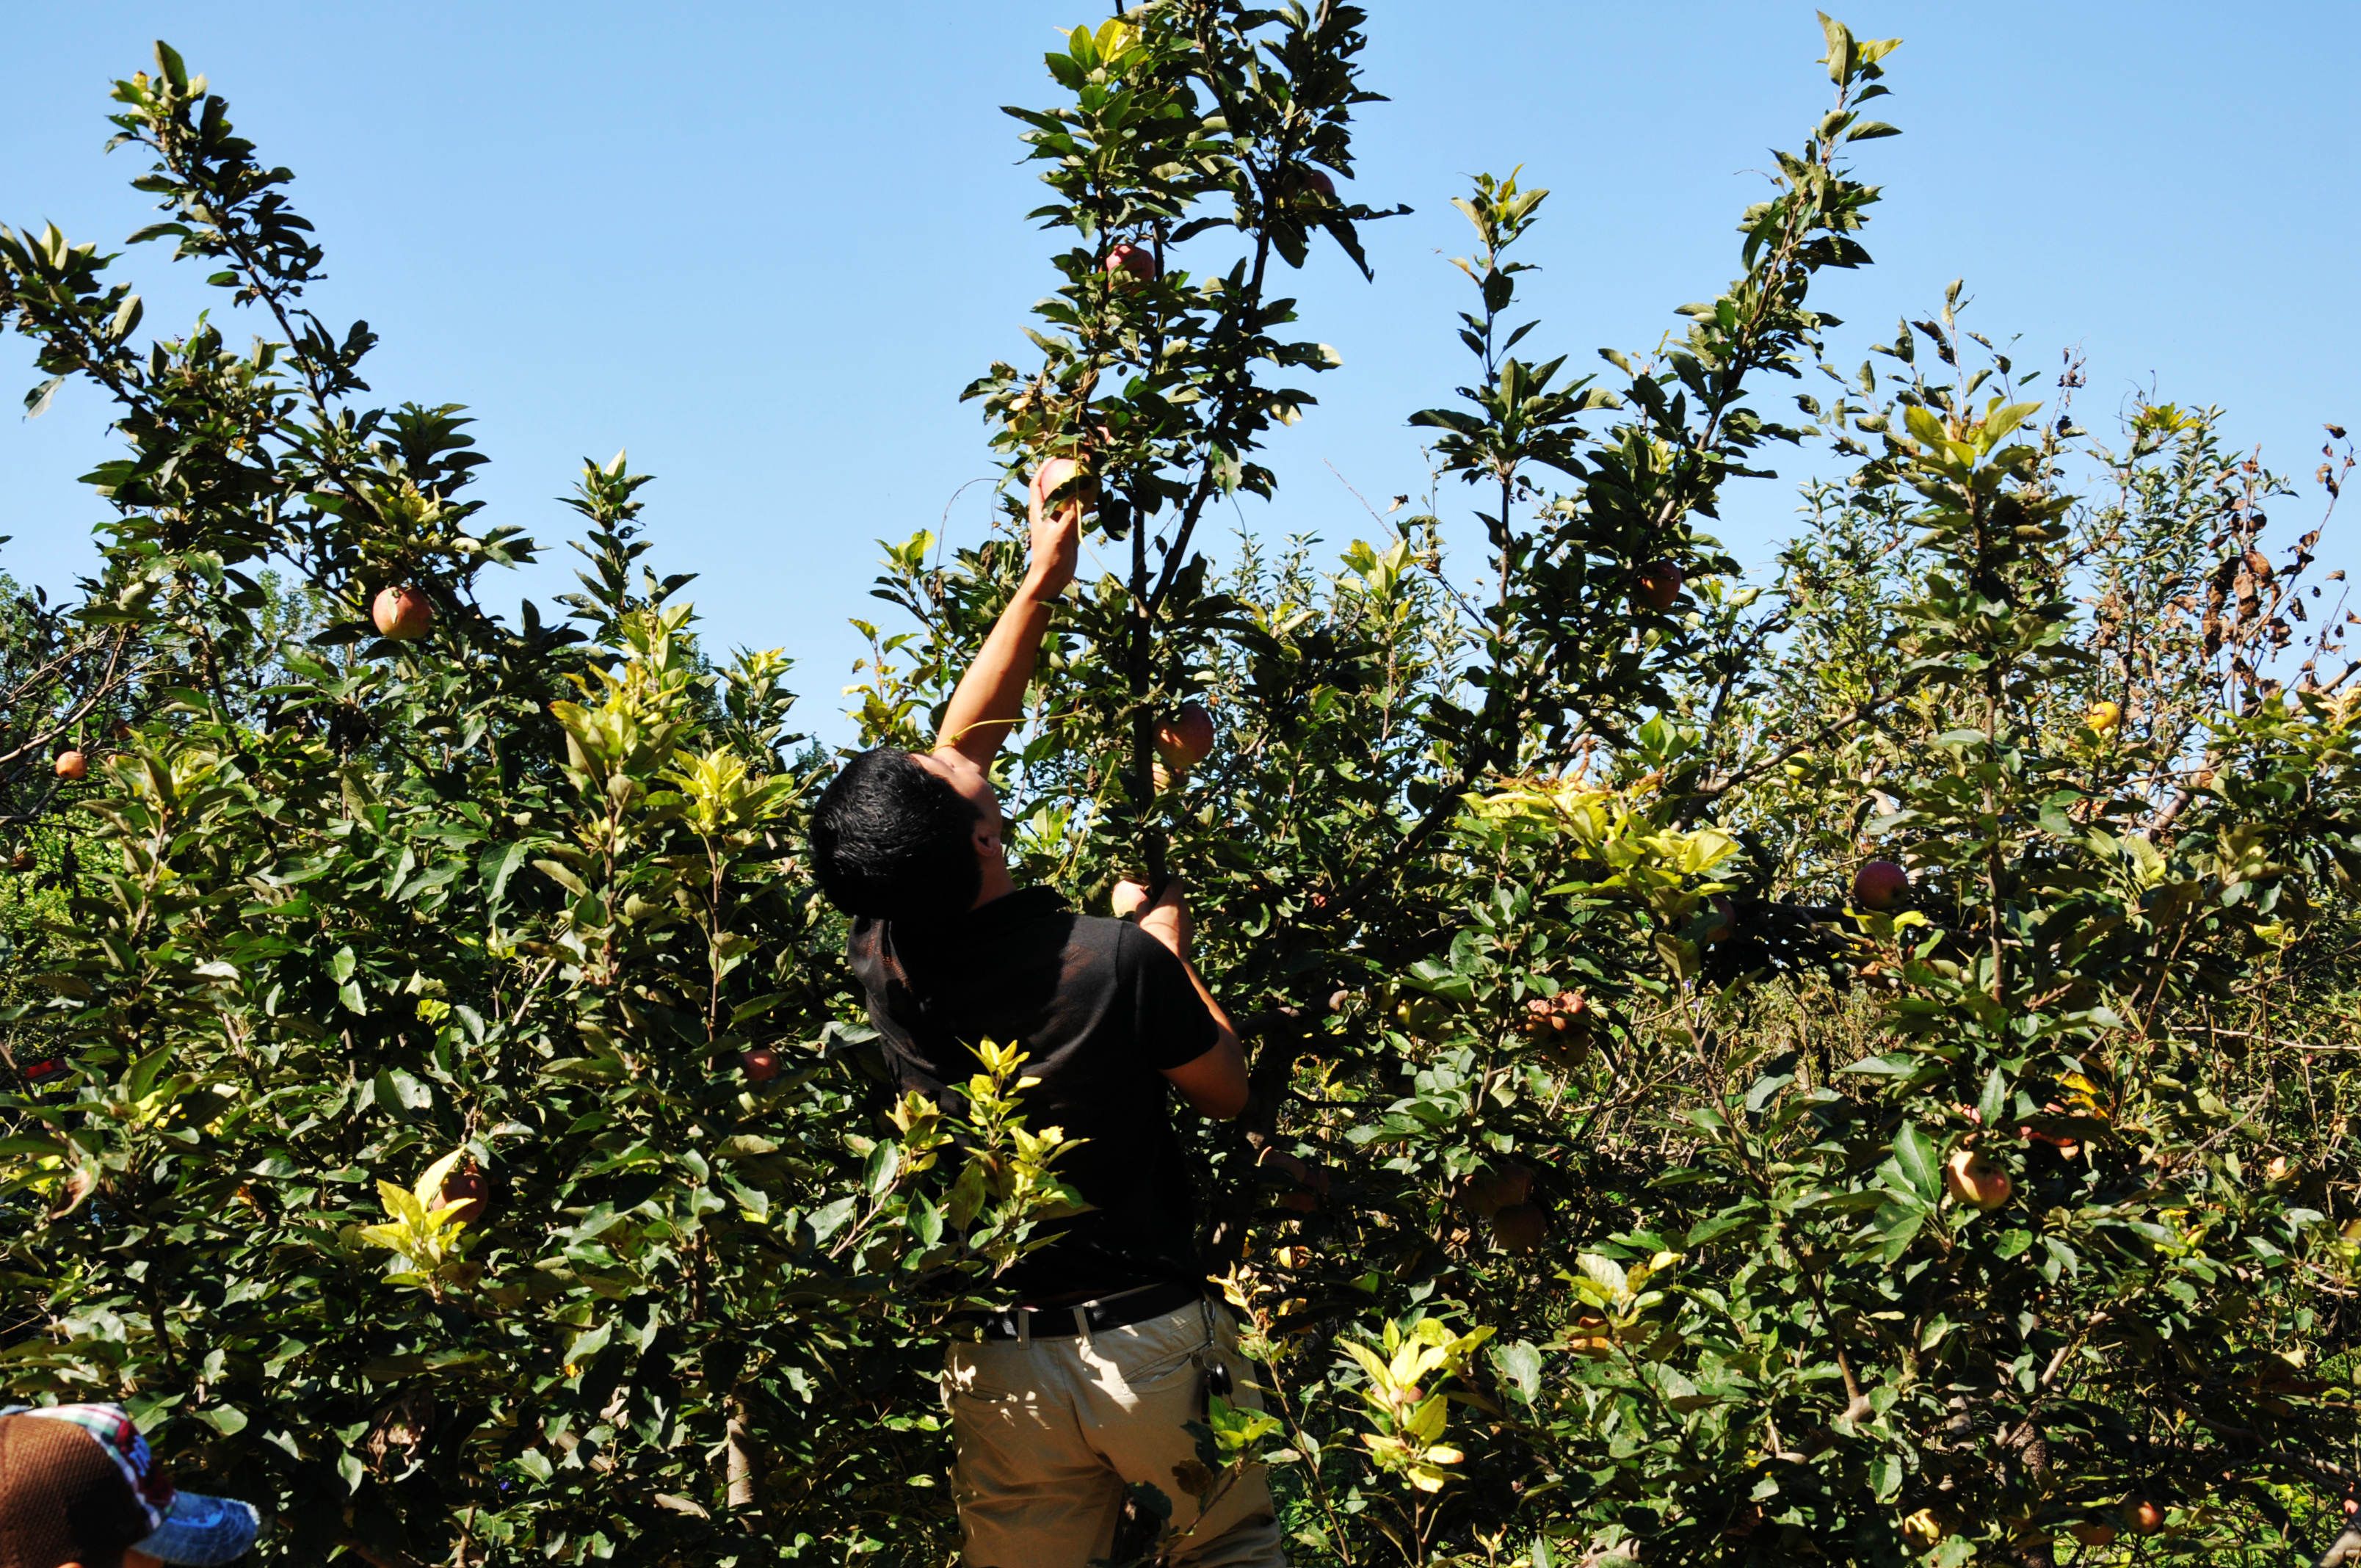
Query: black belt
(1089,1317)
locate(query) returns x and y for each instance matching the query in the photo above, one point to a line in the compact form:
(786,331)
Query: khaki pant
(1051,1430)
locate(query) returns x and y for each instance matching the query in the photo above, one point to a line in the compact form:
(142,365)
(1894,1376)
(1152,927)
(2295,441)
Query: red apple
(2091,1532)
(1975,1180)
(465,1191)
(73,767)
(1880,884)
(1310,178)
(402,614)
(1184,740)
(760,1065)
(2143,1514)
(1128,898)
(1129,265)
(1520,1227)
(1659,585)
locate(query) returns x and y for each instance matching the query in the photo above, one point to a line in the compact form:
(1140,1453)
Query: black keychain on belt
(1212,1372)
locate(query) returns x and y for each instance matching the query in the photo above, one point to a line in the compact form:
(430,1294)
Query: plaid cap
(166,1524)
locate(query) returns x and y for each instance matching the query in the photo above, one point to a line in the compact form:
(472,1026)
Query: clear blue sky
(764,247)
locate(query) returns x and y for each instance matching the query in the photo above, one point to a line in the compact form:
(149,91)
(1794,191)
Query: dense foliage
(1835,1068)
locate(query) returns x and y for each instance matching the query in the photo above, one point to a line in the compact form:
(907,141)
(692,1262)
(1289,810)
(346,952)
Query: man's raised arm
(989,700)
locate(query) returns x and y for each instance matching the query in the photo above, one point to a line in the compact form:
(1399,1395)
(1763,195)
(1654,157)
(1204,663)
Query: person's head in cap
(78,1487)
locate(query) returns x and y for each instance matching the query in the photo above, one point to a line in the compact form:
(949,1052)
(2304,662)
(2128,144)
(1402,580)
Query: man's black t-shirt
(1100,1009)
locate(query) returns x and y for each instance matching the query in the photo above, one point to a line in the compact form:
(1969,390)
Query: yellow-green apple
(1976,1181)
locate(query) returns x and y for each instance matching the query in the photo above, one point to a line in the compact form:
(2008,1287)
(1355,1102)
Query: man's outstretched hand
(1057,543)
(989,701)
(1169,921)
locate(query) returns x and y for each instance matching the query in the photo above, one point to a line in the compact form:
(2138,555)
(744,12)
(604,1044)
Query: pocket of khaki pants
(1153,1356)
(986,1370)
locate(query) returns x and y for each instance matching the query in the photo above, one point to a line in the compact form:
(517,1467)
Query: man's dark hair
(891,839)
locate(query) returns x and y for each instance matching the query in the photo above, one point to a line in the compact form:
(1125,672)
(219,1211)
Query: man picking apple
(1087,1386)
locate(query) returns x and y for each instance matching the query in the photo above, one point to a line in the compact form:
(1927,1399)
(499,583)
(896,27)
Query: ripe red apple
(465,1191)
(2091,1532)
(2143,1514)
(1128,898)
(760,1065)
(402,614)
(73,767)
(1975,1180)
(1880,884)
(1129,265)
(1184,740)
(1659,585)
(1318,179)
(1520,1227)
(1061,480)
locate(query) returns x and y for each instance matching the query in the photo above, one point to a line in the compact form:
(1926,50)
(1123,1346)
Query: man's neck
(996,884)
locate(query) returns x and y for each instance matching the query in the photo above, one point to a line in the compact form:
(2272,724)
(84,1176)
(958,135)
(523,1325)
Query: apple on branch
(1976,1181)
(1880,885)
(1129,264)
(1184,738)
(402,614)
(1659,585)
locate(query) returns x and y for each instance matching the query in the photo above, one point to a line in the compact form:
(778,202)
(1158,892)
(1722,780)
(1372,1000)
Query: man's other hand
(1167,920)
(1057,539)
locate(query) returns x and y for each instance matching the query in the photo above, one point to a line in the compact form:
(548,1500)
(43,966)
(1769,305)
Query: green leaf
(1520,1366)
(1915,1157)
